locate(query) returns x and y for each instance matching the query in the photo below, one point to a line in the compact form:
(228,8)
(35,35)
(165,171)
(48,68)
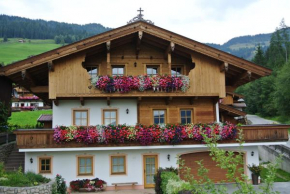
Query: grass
(26,117)
(281,175)
(13,51)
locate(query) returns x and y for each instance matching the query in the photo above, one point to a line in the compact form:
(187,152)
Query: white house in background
(66,77)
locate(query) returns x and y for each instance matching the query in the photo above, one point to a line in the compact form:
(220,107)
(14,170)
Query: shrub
(157,178)
(175,186)
(19,179)
(165,177)
(60,185)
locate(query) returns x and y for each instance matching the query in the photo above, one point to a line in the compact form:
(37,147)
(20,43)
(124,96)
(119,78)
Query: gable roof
(38,65)
(129,29)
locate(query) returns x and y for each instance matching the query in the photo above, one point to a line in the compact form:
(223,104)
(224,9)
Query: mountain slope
(18,27)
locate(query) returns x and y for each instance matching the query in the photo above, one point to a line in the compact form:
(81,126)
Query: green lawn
(281,175)
(13,51)
(26,117)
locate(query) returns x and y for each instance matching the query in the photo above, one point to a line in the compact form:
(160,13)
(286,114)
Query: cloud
(214,21)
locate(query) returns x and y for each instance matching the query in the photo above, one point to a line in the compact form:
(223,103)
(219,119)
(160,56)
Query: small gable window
(118,70)
(93,71)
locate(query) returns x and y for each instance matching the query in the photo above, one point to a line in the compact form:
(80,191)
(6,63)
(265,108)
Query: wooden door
(150,169)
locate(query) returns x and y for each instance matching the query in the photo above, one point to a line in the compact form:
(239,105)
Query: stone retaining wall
(5,151)
(270,153)
(41,189)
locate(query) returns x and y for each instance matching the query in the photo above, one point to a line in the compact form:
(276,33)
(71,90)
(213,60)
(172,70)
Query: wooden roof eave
(129,29)
(231,110)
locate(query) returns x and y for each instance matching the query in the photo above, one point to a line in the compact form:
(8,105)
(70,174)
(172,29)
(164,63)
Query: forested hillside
(18,27)
(270,96)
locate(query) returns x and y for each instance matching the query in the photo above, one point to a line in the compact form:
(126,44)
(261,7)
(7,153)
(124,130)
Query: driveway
(258,120)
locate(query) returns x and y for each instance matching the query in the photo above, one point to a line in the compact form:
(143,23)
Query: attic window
(118,70)
(176,71)
(92,70)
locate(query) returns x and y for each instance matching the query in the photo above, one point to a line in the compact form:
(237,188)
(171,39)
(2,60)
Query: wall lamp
(127,111)
(31,160)
(252,153)
(168,157)
(135,64)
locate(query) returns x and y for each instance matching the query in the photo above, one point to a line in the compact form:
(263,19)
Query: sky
(208,21)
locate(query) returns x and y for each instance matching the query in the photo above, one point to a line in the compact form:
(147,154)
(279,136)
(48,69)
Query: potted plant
(256,170)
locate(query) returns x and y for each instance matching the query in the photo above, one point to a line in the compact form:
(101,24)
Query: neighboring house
(22,99)
(64,76)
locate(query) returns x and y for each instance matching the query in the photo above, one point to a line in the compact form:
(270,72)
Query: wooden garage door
(215,173)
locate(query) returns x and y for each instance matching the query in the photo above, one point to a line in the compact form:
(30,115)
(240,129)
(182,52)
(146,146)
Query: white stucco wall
(62,114)
(65,162)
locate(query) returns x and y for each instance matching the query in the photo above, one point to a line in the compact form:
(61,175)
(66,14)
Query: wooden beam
(26,76)
(108,101)
(50,66)
(191,101)
(169,49)
(241,76)
(138,44)
(82,101)
(108,46)
(39,89)
(224,67)
(168,100)
(55,102)
(139,100)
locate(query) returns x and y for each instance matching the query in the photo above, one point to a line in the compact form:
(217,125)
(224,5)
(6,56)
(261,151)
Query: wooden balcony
(43,138)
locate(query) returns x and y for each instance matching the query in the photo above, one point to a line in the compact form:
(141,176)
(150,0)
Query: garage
(215,173)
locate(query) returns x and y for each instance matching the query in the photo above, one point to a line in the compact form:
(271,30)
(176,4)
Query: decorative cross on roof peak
(140,10)
(139,17)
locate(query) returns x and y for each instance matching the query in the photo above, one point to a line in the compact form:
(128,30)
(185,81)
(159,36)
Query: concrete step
(15,160)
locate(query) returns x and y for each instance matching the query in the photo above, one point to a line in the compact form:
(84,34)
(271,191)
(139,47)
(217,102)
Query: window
(118,70)
(44,165)
(186,116)
(176,71)
(159,116)
(110,117)
(93,71)
(85,165)
(80,117)
(118,165)
(152,70)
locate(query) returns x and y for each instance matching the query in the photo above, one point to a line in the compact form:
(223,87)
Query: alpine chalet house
(137,75)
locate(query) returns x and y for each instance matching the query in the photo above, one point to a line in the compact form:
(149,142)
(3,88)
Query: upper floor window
(159,117)
(110,117)
(186,116)
(118,70)
(80,117)
(93,71)
(176,71)
(152,70)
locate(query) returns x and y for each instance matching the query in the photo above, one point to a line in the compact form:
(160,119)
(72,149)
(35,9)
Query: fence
(7,137)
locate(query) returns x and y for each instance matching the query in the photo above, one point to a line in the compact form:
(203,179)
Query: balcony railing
(43,138)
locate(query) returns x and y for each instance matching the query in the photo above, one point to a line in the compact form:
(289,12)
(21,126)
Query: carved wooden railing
(43,138)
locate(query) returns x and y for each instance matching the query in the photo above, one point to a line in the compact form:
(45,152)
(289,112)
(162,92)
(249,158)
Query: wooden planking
(252,133)
(71,79)
(228,100)
(202,109)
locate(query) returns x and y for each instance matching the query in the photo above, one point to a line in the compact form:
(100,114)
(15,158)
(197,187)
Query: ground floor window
(45,165)
(85,165)
(118,164)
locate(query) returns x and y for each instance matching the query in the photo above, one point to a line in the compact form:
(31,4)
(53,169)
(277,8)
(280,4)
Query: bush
(19,179)
(157,178)
(175,186)
(165,177)
(60,185)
